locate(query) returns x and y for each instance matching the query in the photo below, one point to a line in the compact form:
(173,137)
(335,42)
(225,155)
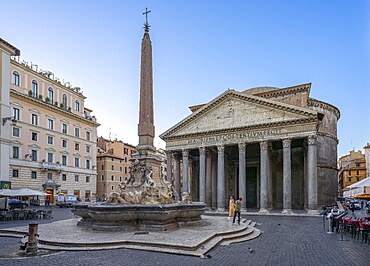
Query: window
(77,106)
(35,88)
(87,148)
(50,140)
(87,135)
(349,179)
(349,173)
(112,159)
(112,167)
(64,177)
(16,113)
(64,128)
(125,170)
(120,179)
(87,179)
(102,167)
(50,124)
(125,151)
(64,143)
(357,172)
(50,176)
(120,168)
(102,178)
(77,162)
(112,188)
(34,136)
(16,78)
(112,177)
(76,178)
(15,132)
(50,157)
(77,146)
(34,119)
(51,95)
(64,101)
(64,160)
(125,159)
(33,155)
(77,132)
(33,174)
(16,152)
(87,164)
(15,173)
(357,178)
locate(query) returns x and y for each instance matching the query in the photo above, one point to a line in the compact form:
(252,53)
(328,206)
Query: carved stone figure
(115,198)
(185,198)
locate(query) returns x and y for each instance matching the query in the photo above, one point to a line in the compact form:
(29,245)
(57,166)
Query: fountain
(145,200)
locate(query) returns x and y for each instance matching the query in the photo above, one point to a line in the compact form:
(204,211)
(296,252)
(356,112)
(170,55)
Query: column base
(313,212)
(287,211)
(220,210)
(263,211)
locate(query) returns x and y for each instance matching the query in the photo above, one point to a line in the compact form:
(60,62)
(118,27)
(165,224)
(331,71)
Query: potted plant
(61,105)
(56,103)
(30,93)
(69,109)
(47,99)
(40,97)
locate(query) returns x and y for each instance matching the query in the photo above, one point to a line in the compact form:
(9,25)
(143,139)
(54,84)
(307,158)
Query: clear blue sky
(200,48)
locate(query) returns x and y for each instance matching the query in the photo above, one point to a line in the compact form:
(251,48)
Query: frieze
(234,137)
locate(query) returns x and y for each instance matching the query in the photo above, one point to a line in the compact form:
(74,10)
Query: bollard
(32,238)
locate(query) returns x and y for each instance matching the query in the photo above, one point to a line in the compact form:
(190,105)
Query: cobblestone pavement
(284,241)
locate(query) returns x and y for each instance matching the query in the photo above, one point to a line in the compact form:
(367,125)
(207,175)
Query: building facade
(113,165)
(352,168)
(367,159)
(277,148)
(52,135)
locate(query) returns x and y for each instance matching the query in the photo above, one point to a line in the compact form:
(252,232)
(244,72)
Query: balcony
(51,166)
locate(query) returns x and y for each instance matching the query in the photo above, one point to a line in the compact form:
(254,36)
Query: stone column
(169,166)
(287,177)
(214,181)
(202,174)
(312,175)
(264,177)
(176,175)
(242,175)
(220,179)
(208,179)
(185,174)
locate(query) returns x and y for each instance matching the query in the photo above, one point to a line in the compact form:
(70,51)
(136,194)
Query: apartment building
(113,165)
(51,134)
(352,168)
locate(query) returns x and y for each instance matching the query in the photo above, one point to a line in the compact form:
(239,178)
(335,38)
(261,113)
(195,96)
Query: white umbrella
(362,183)
(5,192)
(23,192)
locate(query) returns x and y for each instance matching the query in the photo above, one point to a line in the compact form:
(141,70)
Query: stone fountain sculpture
(145,200)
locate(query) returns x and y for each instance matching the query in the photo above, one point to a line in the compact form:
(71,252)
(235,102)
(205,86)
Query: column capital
(185,153)
(264,145)
(242,146)
(220,149)
(202,150)
(311,139)
(176,155)
(168,153)
(287,143)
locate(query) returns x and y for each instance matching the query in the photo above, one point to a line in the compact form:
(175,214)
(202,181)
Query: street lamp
(14,121)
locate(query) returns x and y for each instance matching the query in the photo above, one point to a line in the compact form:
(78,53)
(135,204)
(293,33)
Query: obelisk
(146,152)
(146,121)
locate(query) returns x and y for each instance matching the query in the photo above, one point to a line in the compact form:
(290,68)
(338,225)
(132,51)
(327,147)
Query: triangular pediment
(233,110)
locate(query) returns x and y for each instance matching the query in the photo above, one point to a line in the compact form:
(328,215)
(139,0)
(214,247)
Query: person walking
(238,205)
(231,207)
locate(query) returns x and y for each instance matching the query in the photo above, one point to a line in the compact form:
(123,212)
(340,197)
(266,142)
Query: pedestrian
(362,204)
(352,207)
(333,216)
(238,205)
(231,207)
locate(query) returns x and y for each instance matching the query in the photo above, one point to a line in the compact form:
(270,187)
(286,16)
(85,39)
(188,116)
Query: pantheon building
(275,147)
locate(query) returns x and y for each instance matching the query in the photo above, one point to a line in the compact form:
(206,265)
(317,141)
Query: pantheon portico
(275,147)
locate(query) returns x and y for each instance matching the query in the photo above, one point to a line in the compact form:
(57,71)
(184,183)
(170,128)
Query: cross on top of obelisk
(146,25)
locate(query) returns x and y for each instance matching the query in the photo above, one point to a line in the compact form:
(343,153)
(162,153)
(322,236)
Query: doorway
(251,200)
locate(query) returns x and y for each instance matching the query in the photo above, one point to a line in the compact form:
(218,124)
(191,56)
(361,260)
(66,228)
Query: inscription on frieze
(235,137)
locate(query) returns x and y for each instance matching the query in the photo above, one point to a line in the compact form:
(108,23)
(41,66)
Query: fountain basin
(150,217)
